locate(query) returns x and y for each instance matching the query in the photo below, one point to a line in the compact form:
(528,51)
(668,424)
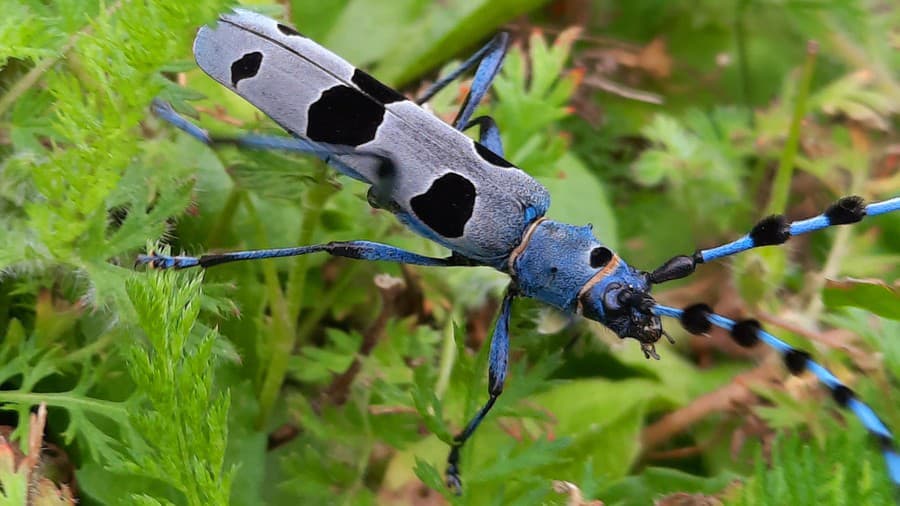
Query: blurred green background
(668,125)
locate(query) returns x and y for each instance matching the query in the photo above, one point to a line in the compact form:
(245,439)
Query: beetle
(464,195)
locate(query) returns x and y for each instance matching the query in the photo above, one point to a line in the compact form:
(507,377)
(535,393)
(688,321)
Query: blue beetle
(465,196)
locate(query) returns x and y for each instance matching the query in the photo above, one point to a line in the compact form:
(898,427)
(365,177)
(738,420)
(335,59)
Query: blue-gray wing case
(438,181)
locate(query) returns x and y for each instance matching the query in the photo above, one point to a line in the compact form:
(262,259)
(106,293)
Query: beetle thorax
(555,261)
(567,267)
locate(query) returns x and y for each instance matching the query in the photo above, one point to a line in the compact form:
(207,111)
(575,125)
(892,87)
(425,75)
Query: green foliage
(326,381)
(441,29)
(702,169)
(872,295)
(177,412)
(845,479)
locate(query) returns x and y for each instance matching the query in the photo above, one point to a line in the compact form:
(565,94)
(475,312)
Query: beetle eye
(611,297)
(600,257)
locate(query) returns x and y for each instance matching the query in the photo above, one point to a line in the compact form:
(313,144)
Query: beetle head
(624,304)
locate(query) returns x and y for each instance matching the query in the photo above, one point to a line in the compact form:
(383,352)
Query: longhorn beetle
(464,195)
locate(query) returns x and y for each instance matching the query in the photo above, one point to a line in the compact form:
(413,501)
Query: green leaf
(431,477)
(584,199)
(445,29)
(655,482)
(604,419)
(872,295)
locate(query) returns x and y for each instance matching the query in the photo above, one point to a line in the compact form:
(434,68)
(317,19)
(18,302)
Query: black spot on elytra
(287,30)
(447,206)
(245,67)
(375,88)
(489,156)
(343,116)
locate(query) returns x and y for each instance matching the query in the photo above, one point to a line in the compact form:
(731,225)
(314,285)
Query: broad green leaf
(444,30)
(872,295)
(581,198)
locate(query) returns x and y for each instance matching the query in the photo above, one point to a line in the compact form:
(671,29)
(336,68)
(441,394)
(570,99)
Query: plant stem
(316,198)
(448,358)
(218,230)
(740,35)
(286,339)
(782,184)
(280,324)
(112,409)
